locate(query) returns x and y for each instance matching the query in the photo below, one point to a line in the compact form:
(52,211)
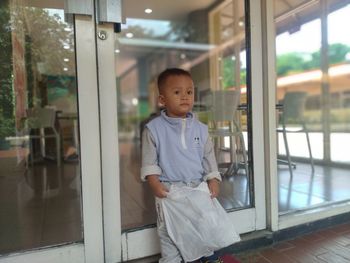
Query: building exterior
(78,82)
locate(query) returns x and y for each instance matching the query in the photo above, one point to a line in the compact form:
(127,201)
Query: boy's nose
(185,95)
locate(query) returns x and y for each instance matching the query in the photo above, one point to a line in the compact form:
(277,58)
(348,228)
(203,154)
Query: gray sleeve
(149,156)
(209,162)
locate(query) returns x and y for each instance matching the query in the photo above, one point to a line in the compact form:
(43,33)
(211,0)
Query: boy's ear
(161,100)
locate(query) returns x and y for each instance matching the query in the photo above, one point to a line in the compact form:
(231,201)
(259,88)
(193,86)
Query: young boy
(176,149)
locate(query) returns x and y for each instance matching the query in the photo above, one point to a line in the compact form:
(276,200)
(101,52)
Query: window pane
(312,83)
(39,163)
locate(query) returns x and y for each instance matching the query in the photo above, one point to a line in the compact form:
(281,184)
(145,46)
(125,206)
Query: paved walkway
(329,245)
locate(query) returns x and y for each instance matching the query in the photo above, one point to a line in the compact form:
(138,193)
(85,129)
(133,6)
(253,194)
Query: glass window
(207,38)
(40,198)
(312,84)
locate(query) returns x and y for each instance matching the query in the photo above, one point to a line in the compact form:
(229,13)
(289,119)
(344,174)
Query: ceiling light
(129,35)
(66,59)
(148,10)
(65,69)
(117,51)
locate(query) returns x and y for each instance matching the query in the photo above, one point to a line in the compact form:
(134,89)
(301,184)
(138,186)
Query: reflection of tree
(181,30)
(46,41)
(6,94)
(48,38)
(141,32)
(229,78)
(178,31)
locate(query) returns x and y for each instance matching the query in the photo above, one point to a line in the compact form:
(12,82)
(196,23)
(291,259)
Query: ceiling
(163,9)
(290,14)
(135,8)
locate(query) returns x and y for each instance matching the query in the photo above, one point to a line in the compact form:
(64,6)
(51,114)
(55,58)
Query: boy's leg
(169,252)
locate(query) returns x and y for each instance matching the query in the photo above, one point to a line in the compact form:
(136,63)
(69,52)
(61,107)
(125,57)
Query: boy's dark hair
(170,72)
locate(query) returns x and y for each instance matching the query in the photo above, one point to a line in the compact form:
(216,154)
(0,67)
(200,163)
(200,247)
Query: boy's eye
(177,92)
(189,92)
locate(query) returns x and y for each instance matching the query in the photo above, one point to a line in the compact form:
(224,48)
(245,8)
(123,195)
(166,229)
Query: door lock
(102,35)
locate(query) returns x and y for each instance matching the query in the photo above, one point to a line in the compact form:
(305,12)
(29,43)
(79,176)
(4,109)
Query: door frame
(278,222)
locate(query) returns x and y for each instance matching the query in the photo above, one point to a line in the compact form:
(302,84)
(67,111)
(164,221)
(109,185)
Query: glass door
(312,77)
(50,186)
(212,40)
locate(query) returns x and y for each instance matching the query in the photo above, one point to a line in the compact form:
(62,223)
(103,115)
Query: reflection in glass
(312,57)
(39,162)
(209,41)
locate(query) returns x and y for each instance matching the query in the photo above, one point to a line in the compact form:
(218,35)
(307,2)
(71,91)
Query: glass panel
(312,85)
(208,39)
(40,197)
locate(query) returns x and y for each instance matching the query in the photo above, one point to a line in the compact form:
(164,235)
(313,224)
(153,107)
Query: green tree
(299,62)
(229,78)
(288,63)
(336,54)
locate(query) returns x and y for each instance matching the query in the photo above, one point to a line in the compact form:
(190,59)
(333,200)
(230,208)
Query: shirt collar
(176,120)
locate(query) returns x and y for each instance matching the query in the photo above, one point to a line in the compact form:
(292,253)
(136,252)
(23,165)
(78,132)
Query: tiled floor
(306,189)
(330,245)
(40,206)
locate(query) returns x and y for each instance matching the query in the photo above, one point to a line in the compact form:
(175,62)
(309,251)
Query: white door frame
(269,95)
(92,249)
(109,143)
(276,222)
(257,104)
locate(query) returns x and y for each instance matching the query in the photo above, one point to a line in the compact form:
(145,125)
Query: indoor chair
(39,119)
(223,123)
(292,120)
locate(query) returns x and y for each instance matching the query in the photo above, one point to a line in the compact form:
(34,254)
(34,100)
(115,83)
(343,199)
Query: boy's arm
(214,188)
(157,187)
(150,171)
(212,174)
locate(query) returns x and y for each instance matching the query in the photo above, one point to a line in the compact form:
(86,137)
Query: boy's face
(177,96)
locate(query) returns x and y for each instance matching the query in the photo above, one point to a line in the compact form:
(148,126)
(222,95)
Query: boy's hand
(159,190)
(213,185)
